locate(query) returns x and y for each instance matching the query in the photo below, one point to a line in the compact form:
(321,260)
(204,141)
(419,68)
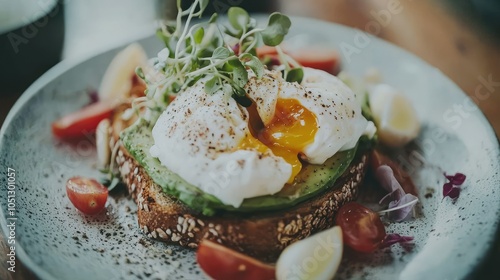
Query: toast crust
(261,235)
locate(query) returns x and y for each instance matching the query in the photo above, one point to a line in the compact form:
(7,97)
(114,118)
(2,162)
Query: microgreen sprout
(112,177)
(222,55)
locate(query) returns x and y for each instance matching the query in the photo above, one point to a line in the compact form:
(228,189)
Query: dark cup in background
(27,51)
(251,6)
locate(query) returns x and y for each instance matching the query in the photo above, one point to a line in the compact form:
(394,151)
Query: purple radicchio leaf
(401,203)
(401,208)
(385,176)
(457,179)
(451,191)
(447,187)
(451,188)
(393,238)
(454,193)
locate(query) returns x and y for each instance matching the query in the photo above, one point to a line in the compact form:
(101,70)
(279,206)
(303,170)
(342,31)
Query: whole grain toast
(261,235)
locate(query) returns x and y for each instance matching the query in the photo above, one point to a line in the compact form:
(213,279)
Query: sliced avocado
(311,180)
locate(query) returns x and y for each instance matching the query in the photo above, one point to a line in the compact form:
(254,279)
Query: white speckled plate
(57,242)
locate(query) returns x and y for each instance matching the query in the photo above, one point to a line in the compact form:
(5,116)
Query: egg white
(338,113)
(198,135)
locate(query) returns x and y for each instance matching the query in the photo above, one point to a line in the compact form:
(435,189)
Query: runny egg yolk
(292,128)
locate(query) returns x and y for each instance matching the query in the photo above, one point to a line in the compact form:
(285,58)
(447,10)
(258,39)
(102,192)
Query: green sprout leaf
(213,18)
(170,28)
(276,29)
(140,73)
(221,53)
(238,91)
(227,89)
(198,35)
(191,82)
(249,45)
(212,85)
(238,18)
(176,87)
(189,45)
(295,75)
(254,63)
(203,51)
(240,74)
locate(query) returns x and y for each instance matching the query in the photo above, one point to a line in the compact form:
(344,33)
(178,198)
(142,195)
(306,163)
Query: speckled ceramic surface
(57,242)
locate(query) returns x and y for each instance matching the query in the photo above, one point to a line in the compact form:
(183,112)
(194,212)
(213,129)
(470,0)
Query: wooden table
(442,38)
(448,40)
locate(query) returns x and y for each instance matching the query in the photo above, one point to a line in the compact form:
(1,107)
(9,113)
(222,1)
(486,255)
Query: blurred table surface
(442,36)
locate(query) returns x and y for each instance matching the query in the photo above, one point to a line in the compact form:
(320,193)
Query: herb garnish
(221,54)
(452,188)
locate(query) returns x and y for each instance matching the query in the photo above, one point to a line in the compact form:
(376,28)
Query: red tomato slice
(82,122)
(320,58)
(222,263)
(266,50)
(87,195)
(362,228)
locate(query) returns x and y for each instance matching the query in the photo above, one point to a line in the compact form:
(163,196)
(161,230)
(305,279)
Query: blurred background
(459,37)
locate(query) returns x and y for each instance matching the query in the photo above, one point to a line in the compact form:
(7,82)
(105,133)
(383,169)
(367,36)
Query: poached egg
(235,153)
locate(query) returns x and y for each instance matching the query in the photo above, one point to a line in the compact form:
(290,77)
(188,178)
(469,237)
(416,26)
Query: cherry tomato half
(87,195)
(362,228)
(77,124)
(221,263)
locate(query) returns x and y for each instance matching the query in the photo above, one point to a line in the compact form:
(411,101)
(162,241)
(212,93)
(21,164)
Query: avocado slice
(311,180)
